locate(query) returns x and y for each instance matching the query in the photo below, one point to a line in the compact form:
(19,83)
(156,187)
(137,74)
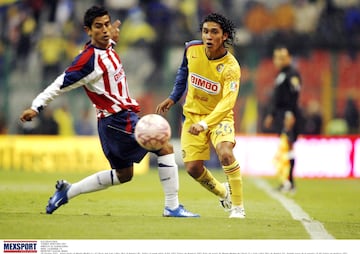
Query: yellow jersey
(212,85)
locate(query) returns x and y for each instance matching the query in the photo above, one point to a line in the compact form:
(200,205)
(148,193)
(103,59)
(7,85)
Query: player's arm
(290,115)
(178,90)
(269,118)
(78,74)
(225,105)
(45,97)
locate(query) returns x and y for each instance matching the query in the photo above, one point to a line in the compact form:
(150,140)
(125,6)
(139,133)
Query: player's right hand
(28,115)
(164,106)
(115,30)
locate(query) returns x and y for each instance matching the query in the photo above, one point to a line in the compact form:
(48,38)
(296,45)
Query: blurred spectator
(258,19)
(352,29)
(206,7)
(64,11)
(284,31)
(119,9)
(84,125)
(345,3)
(36,7)
(186,21)
(284,17)
(64,120)
(47,124)
(312,119)
(2,61)
(3,125)
(51,48)
(330,32)
(159,17)
(135,30)
(306,16)
(337,126)
(52,4)
(26,28)
(13,25)
(351,116)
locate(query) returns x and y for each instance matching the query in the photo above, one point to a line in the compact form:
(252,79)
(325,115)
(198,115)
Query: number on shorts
(224,129)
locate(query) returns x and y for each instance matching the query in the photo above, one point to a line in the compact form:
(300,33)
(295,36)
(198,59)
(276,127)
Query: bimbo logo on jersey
(204,84)
(20,246)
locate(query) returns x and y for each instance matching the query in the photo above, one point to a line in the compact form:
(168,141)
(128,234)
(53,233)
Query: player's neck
(216,54)
(100,45)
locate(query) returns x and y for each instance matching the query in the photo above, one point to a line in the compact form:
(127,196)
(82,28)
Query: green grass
(133,210)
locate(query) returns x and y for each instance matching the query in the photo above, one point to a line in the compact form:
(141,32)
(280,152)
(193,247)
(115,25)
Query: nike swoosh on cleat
(57,203)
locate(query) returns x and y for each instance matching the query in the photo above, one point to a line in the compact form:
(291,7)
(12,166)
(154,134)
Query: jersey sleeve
(78,74)
(180,83)
(231,86)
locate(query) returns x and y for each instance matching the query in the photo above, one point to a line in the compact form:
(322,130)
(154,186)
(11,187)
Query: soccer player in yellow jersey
(211,76)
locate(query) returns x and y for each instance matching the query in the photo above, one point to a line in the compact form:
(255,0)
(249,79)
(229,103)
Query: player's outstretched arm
(28,115)
(164,106)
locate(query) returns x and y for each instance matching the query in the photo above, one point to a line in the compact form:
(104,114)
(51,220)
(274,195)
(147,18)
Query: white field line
(315,229)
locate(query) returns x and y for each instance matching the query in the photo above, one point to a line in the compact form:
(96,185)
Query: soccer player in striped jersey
(98,69)
(211,76)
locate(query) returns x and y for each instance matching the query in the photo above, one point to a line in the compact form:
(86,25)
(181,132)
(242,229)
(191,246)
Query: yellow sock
(209,182)
(235,180)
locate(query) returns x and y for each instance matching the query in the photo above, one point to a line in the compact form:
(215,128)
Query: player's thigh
(119,145)
(224,133)
(194,147)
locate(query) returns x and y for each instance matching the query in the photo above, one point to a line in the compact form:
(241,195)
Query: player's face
(281,58)
(100,31)
(213,36)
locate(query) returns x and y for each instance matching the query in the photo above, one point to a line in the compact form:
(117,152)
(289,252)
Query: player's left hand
(115,30)
(195,129)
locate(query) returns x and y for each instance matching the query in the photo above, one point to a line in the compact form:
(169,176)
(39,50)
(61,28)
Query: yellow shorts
(198,147)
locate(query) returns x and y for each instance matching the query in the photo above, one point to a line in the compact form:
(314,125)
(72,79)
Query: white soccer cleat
(237,212)
(226,202)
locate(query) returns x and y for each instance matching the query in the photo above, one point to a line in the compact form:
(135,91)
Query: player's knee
(194,169)
(168,148)
(226,156)
(124,176)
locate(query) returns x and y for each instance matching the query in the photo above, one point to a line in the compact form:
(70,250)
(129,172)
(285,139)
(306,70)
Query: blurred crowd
(52,30)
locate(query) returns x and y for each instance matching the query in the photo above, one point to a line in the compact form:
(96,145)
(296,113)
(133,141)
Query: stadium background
(40,38)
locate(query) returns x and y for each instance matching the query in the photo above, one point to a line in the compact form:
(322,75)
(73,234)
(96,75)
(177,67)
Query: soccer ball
(152,132)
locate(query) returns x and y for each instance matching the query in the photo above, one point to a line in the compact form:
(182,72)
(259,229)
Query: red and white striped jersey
(102,75)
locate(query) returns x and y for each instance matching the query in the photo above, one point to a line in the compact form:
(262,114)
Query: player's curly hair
(226,25)
(92,13)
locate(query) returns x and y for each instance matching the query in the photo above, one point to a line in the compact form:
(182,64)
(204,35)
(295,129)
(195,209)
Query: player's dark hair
(92,13)
(226,25)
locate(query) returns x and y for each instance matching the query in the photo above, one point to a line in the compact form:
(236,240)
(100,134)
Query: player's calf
(125,175)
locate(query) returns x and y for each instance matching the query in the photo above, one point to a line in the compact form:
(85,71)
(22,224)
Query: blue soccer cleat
(179,212)
(60,196)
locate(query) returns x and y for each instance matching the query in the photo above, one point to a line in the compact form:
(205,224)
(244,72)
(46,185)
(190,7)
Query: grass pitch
(133,210)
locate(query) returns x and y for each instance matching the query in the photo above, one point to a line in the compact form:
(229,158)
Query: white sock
(169,178)
(98,181)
